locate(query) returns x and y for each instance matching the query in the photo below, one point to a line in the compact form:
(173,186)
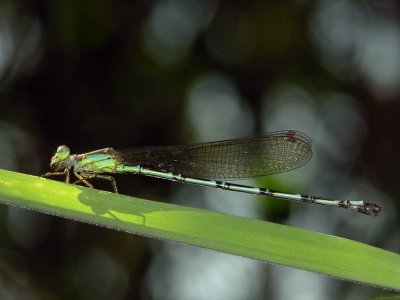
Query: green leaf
(269,242)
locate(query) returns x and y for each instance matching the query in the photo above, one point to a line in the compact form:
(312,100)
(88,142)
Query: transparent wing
(274,152)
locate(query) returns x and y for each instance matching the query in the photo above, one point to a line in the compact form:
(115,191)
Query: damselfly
(206,164)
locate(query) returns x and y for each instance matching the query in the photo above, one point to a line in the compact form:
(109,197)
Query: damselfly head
(57,162)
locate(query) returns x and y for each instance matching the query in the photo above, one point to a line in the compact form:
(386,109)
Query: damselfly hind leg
(95,176)
(111,180)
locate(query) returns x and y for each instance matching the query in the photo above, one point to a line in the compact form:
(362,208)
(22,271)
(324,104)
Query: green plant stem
(269,242)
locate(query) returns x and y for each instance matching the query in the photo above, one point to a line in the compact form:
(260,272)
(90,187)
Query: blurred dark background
(91,74)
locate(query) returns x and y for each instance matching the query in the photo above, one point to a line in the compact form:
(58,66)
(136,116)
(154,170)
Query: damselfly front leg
(64,173)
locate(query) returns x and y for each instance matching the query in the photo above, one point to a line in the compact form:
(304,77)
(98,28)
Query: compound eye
(62,152)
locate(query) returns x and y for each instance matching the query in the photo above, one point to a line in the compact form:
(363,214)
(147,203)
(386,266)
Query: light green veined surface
(274,243)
